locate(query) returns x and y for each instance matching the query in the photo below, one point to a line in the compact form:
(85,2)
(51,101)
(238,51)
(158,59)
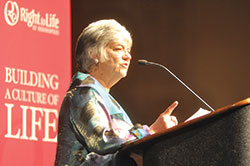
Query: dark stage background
(205,43)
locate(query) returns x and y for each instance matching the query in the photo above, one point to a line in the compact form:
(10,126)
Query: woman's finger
(171,108)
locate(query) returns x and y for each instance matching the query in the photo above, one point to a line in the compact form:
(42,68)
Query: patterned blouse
(92,125)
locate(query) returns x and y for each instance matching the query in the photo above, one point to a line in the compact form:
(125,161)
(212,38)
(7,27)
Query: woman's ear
(94,56)
(96,61)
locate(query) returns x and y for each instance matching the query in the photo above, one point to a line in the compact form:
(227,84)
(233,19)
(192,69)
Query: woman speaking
(92,125)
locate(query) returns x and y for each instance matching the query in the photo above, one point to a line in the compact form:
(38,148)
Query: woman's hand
(165,120)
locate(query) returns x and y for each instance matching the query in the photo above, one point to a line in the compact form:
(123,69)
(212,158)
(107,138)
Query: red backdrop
(35,72)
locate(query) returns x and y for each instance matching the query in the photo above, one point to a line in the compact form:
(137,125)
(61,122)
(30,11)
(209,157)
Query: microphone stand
(145,62)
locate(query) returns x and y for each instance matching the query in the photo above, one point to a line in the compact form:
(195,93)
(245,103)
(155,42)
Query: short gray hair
(94,39)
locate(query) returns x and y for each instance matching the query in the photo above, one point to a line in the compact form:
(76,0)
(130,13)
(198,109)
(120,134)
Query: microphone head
(142,62)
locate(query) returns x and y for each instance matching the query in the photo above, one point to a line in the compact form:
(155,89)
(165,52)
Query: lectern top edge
(217,112)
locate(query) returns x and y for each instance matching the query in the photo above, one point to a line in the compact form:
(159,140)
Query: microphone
(145,62)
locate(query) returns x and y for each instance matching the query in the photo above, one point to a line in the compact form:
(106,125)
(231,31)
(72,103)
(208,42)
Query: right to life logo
(11,13)
(47,23)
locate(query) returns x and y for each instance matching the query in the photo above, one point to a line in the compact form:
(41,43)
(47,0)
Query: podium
(217,139)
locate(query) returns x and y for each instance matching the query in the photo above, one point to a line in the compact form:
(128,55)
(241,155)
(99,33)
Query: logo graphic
(41,22)
(11,13)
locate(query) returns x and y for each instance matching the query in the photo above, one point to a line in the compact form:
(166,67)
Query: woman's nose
(127,55)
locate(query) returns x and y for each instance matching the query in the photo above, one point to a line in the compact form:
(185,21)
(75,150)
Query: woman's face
(118,54)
